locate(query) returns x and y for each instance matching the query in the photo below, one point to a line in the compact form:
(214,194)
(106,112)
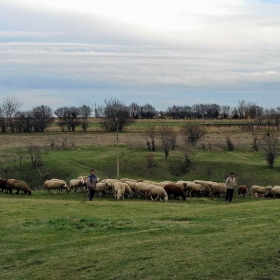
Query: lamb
(76,184)
(119,190)
(176,190)
(18,185)
(159,192)
(55,185)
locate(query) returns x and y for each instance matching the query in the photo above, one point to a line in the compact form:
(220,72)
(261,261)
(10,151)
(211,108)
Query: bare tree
(85,111)
(9,107)
(225,111)
(151,133)
(115,115)
(275,115)
(167,136)
(134,110)
(192,132)
(147,111)
(69,117)
(269,142)
(42,116)
(35,156)
(241,109)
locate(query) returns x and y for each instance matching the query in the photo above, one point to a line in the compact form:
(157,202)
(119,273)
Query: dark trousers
(229,195)
(91,193)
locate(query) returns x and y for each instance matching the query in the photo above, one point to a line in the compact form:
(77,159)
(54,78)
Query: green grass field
(63,236)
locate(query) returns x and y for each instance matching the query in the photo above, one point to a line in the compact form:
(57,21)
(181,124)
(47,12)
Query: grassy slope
(60,236)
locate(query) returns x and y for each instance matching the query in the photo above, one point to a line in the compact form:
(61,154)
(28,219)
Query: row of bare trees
(115,115)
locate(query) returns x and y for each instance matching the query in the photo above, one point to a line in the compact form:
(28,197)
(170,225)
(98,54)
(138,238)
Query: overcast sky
(162,52)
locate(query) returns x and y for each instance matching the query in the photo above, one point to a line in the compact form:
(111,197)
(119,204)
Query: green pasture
(250,167)
(63,236)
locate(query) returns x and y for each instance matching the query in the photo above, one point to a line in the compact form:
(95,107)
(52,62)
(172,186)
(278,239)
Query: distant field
(60,236)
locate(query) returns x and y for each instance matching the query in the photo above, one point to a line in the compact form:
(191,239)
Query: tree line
(115,115)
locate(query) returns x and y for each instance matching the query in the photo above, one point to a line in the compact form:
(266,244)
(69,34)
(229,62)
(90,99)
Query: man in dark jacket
(91,184)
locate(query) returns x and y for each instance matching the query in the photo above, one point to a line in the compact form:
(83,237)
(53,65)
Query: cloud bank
(63,53)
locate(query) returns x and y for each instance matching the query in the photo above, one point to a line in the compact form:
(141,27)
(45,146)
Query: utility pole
(118,160)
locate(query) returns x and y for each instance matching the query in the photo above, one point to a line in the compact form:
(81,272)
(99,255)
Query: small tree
(230,145)
(167,136)
(85,111)
(151,134)
(269,143)
(192,132)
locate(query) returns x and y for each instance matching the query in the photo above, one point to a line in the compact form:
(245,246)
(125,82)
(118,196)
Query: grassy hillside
(60,236)
(69,155)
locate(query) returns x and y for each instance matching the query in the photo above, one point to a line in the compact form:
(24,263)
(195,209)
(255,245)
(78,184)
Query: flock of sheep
(143,188)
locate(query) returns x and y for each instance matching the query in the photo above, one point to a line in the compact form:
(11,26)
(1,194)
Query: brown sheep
(176,190)
(3,185)
(242,190)
(18,185)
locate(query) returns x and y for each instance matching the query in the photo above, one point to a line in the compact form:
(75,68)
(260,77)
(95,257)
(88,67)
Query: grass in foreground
(60,236)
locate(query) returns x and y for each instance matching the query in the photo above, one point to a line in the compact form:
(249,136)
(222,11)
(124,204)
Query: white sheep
(55,185)
(102,188)
(76,184)
(128,190)
(158,192)
(119,190)
(140,189)
(64,183)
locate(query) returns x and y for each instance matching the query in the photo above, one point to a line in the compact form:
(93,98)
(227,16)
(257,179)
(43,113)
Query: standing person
(91,185)
(230,184)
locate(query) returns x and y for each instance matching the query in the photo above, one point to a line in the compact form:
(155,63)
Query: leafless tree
(225,111)
(151,133)
(115,115)
(35,156)
(42,116)
(134,110)
(147,111)
(192,132)
(269,142)
(69,117)
(241,109)
(9,107)
(167,137)
(275,115)
(85,111)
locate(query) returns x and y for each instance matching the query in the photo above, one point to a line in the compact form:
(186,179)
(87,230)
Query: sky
(161,52)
